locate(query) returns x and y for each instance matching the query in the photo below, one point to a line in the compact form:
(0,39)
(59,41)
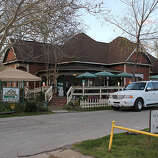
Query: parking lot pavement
(34,134)
(68,153)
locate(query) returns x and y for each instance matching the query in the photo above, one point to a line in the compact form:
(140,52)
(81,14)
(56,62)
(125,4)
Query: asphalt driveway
(34,134)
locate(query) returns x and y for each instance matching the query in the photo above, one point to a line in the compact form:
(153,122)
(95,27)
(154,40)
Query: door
(155,91)
(149,95)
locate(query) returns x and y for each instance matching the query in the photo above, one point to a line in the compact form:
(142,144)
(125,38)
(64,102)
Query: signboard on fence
(11,94)
(154,121)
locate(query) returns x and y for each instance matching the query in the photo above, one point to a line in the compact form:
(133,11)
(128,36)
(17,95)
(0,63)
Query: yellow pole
(126,129)
(136,131)
(111,136)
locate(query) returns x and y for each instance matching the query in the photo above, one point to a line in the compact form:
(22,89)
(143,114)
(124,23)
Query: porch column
(100,93)
(34,85)
(124,77)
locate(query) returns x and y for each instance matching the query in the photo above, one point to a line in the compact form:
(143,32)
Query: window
(155,85)
(136,86)
(150,86)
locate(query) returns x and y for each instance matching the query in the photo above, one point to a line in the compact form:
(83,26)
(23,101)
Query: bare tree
(58,25)
(15,14)
(47,21)
(140,24)
(156,48)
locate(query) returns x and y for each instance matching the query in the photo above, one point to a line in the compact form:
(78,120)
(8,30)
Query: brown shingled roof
(79,48)
(119,50)
(83,48)
(32,51)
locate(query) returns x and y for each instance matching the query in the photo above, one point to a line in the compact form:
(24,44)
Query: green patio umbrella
(125,74)
(86,75)
(105,74)
(154,77)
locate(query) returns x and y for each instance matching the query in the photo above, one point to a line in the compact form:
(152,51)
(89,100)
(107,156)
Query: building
(79,54)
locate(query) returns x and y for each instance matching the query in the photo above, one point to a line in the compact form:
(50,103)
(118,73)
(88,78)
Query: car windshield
(136,86)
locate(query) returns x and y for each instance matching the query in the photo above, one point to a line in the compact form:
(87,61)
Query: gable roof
(32,51)
(11,74)
(80,48)
(120,49)
(154,61)
(84,49)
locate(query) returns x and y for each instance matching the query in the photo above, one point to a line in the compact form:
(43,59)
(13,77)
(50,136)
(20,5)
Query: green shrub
(43,108)
(40,97)
(72,107)
(25,106)
(20,107)
(31,106)
(5,107)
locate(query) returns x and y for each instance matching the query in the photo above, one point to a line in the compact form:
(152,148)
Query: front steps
(57,101)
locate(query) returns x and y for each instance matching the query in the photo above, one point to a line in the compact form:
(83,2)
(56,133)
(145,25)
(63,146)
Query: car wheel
(115,108)
(139,104)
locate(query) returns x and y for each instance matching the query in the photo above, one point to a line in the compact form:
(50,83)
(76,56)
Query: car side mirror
(148,89)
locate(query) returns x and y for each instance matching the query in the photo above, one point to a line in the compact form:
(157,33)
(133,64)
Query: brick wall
(131,69)
(142,58)
(10,56)
(140,70)
(34,68)
(117,67)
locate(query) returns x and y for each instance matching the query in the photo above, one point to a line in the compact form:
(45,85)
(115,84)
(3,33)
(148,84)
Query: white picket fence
(93,103)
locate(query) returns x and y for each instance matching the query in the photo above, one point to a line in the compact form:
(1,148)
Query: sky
(98,29)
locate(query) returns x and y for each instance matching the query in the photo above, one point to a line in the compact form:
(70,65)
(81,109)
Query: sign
(154,121)
(11,94)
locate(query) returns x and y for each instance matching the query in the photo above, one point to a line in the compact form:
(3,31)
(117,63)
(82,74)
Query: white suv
(137,94)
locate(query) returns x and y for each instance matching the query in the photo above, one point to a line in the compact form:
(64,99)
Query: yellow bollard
(111,135)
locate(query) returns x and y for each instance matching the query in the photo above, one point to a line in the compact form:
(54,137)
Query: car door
(155,91)
(149,95)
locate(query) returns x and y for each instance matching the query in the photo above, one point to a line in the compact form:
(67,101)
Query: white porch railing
(29,93)
(92,103)
(69,94)
(39,89)
(98,91)
(48,94)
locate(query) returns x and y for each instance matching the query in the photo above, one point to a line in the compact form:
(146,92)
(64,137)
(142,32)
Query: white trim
(130,54)
(101,63)
(148,57)
(84,62)
(8,52)
(10,62)
(131,63)
(27,67)
(142,52)
(125,70)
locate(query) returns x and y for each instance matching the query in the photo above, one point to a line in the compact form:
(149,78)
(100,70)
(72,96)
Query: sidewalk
(62,153)
(60,111)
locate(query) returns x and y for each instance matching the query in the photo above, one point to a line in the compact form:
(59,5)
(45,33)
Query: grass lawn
(124,146)
(24,114)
